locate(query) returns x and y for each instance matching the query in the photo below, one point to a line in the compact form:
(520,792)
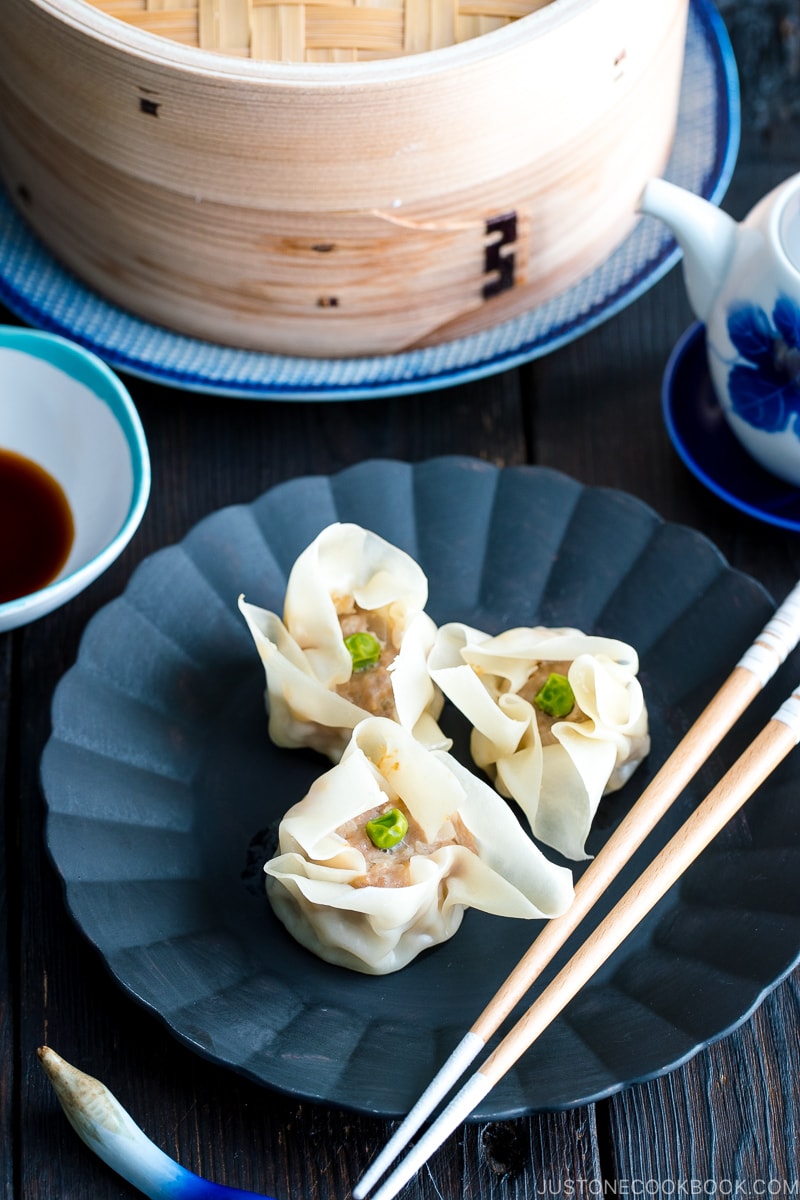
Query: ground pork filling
(390,868)
(533,685)
(371,687)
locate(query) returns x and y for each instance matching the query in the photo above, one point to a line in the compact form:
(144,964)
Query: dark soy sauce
(36,526)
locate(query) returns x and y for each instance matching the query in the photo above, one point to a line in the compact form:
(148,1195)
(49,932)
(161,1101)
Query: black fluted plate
(160,780)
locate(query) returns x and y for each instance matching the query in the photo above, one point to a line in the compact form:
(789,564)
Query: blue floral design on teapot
(765,389)
(743,282)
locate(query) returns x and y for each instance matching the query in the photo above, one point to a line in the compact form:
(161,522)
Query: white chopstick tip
(446,1078)
(777,639)
(474,1090)
(789,714)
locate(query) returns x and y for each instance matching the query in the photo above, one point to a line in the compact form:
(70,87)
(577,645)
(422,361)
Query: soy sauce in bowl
(36,526)
(66,414)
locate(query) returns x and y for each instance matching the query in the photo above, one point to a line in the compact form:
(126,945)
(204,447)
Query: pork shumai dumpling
(558,717)
(352,643)
(451,843)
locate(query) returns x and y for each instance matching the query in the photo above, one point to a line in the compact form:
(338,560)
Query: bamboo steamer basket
(395,196)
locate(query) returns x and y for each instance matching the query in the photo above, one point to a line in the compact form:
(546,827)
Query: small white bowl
(63,408)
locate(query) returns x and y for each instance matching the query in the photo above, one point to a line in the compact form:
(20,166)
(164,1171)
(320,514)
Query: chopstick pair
(750,675)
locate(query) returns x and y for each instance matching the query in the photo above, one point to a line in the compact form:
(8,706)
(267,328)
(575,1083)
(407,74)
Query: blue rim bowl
(63,408)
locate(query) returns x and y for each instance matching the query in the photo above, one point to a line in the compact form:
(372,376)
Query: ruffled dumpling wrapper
(318,884)
(558,784)
(347,569)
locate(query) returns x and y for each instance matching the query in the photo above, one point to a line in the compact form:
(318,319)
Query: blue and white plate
(43,293)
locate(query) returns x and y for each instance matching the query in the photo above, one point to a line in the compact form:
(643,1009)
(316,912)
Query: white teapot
(743,282)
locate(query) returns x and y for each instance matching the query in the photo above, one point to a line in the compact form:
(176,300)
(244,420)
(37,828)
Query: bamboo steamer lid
(335,208)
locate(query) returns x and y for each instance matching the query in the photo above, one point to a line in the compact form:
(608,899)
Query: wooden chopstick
(775,741)
(756,667)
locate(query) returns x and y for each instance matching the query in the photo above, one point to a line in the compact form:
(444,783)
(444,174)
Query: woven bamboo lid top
(322,31)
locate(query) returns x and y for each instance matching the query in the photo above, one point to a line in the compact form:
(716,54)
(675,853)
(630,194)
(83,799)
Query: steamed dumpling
(556,768)
(374,910)
(348,582)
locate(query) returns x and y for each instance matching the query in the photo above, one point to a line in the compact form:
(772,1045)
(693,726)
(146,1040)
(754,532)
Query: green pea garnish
(388,829)
(365,650)
(555,697)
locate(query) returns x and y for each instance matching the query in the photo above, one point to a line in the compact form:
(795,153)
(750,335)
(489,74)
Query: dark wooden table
(728,1122)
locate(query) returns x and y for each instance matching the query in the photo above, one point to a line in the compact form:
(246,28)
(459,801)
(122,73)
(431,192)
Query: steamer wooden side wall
(333,210)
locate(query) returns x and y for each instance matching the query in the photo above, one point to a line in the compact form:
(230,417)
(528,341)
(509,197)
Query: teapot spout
(706,235)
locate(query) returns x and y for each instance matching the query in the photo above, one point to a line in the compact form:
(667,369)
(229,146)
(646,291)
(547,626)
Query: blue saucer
(701,435)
